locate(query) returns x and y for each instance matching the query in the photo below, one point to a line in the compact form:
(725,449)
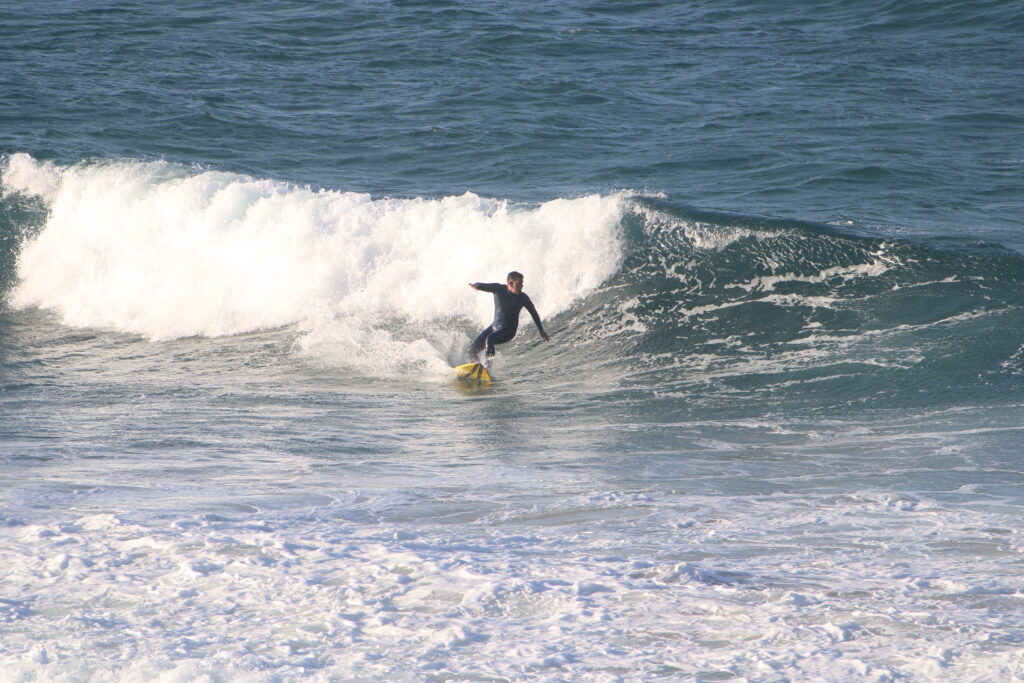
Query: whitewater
(152,249)
(776,434)
(612,509)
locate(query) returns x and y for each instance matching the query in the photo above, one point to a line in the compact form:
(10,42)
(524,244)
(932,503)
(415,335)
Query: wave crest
(165,251)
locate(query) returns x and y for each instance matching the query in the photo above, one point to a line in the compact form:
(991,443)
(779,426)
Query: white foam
(24,175)
(877,266)
(867,585)
(700,235)
(163,251)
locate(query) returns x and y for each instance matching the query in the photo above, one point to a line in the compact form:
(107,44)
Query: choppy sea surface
(777,433)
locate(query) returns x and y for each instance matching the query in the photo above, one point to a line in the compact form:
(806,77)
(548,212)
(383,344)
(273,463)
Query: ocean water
(776,435)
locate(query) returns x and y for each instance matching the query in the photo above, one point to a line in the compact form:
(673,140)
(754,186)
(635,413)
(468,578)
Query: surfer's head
(515,282)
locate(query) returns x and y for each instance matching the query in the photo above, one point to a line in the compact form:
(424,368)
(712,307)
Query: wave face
(722,310)
(711,311)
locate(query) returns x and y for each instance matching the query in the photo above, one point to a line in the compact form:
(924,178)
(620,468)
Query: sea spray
(164,251)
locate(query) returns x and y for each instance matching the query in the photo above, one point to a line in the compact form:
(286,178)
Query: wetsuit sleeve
(492,287)
(533,314)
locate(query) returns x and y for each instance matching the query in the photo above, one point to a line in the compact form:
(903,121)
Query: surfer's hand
(474,286)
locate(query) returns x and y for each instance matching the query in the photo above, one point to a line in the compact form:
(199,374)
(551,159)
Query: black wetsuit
(506,318)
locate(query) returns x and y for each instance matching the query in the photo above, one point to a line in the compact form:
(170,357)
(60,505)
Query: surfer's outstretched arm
(491,287)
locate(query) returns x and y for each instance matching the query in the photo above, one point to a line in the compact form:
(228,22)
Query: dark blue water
(888,114)
(775,436)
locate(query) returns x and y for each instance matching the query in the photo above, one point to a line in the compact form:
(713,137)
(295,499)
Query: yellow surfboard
(473,372)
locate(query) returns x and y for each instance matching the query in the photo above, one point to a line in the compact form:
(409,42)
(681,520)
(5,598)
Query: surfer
(509,300)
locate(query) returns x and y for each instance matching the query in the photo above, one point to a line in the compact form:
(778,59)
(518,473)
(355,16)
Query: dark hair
(514,275)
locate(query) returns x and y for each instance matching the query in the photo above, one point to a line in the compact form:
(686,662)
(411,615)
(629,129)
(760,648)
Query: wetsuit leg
(479,343)
(499,337)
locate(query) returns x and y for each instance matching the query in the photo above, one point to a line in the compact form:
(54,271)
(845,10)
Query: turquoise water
(775,436)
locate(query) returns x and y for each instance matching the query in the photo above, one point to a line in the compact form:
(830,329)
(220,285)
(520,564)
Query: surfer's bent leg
(499,337)
(478,344)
